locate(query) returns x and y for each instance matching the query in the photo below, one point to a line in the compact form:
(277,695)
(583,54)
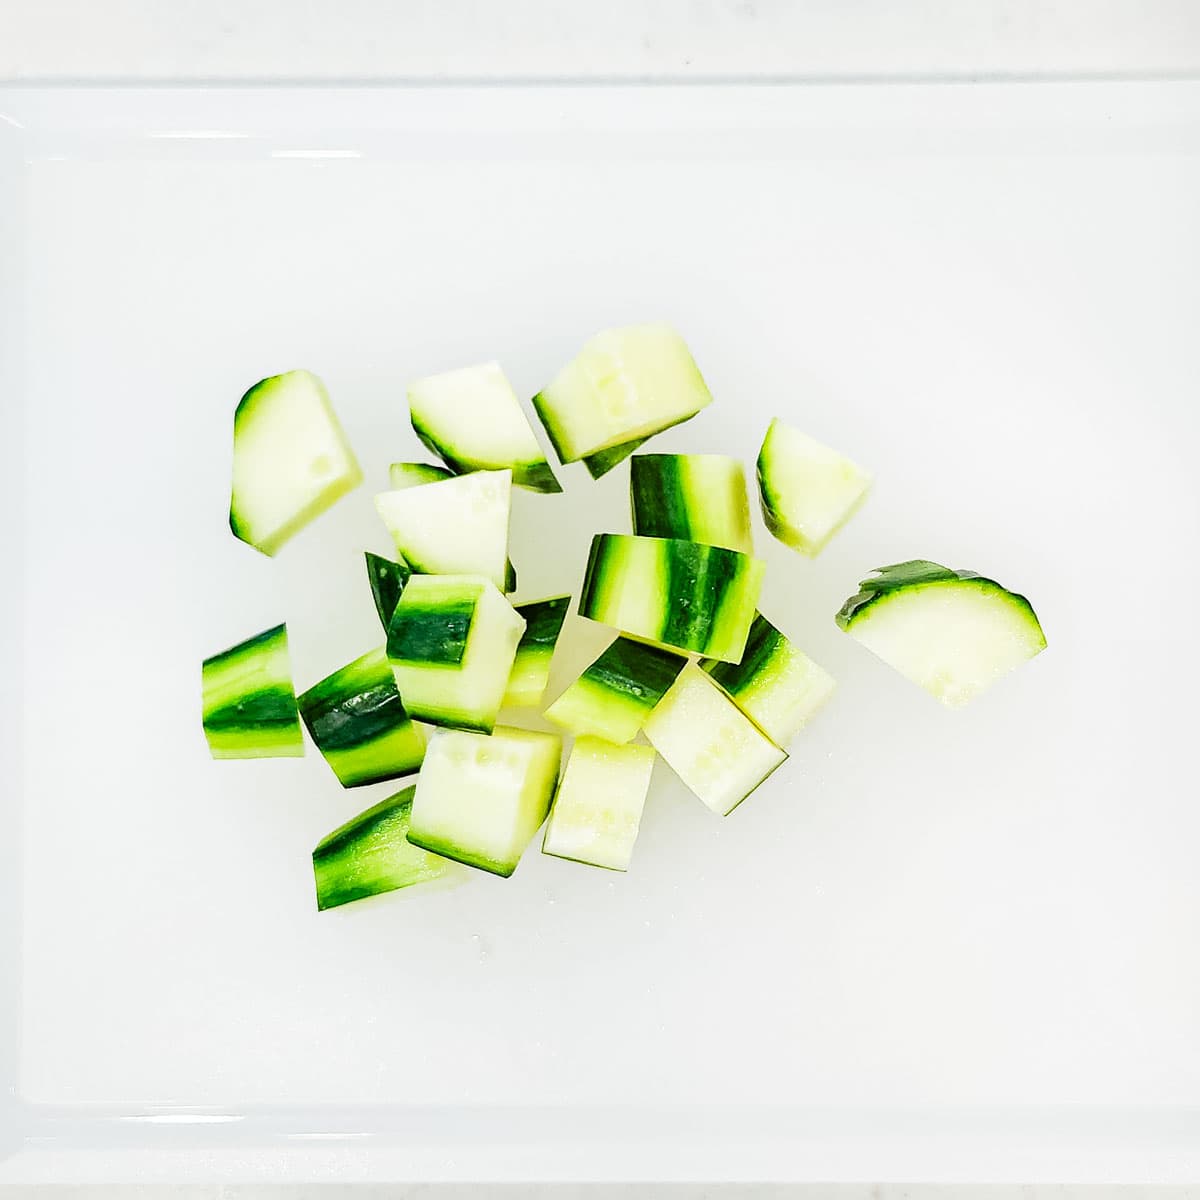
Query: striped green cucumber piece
(249,703)
(358,722)
(808,491)
(531,667)
(598,808)
(681,594)
(697,497)
(472,420)
(480,799)
(451,643)
(614,696)
(624,385)
(403,475)
(457,526)
(776,684)
(371,854)
(718,752)
(387,580)
(953,633)
(291,460)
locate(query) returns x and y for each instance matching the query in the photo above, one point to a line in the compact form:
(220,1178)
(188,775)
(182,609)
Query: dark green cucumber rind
(261,643)
(247,404)
(536,477)
(448,718)
(433,636)
(447,850)
(603,461)
(657,496)
(387,582)
(353,707)
(510,577)
(347,837)
(548,422)
(636,671)
(699,584)
(758,785)
(593,572)
(269,709)
(762,644)
(428,472)
(917,572)
(543,622)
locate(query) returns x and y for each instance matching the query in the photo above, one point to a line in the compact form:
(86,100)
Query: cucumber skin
(251,721)
(916,573)
(432,635)
(387,579)
(536,477)
(338,860)
(447,850)
(599,464)
(543,621)
(761,646)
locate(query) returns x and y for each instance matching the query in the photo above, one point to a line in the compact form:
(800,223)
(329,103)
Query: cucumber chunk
(776,684)
(451,643)
(371,854)
(249,703)
(356,718)
(709,742)
(454,527)
(480,799)
(615,695)
(291,460)
(625,384)
(677,593)
(808,491)
(472,420)
(531,667)
(603,461)
(598,809)
(953,633)
(387,582)
(696,497)
(403,475)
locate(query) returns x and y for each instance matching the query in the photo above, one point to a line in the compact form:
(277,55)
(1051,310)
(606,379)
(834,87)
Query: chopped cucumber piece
(709,742)
(451,643)
(358,722)
(680,594)
(249,703)
(954,633)
(808,491)
(615,695)
(481,799)
(696,497)
(472,420)
(776,684)
(371,854)
(603,461)
(625,384)
(387,582)
(598,809)
(403,475)
(291,460)
(531,668)
(455,527)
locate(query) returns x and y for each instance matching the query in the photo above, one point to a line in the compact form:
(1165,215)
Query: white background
(372,39)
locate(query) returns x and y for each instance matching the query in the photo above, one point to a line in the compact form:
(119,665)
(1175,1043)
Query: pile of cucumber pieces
(710,683)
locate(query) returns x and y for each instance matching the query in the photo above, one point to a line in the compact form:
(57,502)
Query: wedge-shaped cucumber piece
(709,742)
(451,643)
(357,720)
(954,633)
(808,491)
(472,420)
(615,695)
(387,580)
(598,809)
(455,527)
(371,854)
(696,497)
(249,702)
(625,384)
(403,475)
(291,460)
(481,799)
(531,668)
(603,461)
(776,684)
(680,594)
